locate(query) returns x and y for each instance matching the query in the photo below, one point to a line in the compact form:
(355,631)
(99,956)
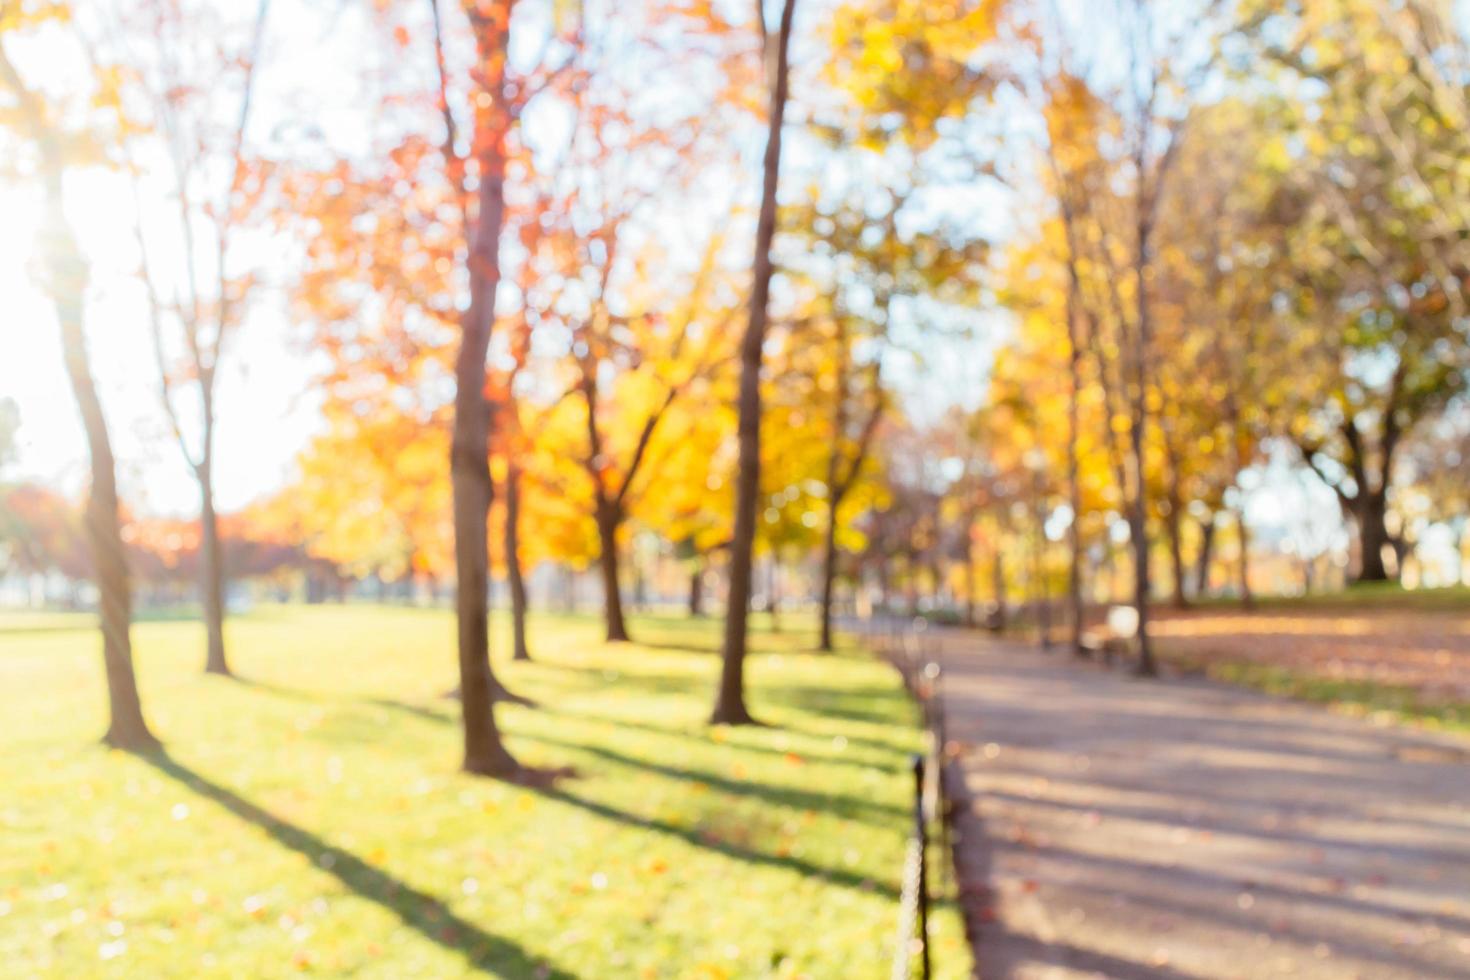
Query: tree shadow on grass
(699,734)
(869,706)
(802,799)
(279,690)
(851,808)
(711,842)
(648,681)
(418,910)
(696,636)
(691,835)
(765,644)
(676,646)
(417,710)
(815,758)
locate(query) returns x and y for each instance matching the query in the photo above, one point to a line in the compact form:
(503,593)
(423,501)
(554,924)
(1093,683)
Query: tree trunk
(484,753)
(1138,514)
(937,583)
(513,561)
(608,520)
(829,571)
(640,584)
(696,588)
(1175,526)
(1202,560)
(1138,529)
(1042,598)
(67,274)
(1073,425)
(730,700)
(773,600)
(835,487)
(970,585)
(911,583)
(126,728)
(1247,599)
(998,584)
(1074,434)
(1138,533)
(1459,552)
(1403,550)
(1369,511)
(212,571)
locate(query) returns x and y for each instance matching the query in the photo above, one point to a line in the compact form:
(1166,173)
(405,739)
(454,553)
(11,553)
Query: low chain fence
(910,646)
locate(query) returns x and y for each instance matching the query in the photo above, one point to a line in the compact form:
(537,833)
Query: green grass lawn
(311,819)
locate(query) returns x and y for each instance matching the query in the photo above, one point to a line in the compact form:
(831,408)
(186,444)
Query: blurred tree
(1069,104)
(1368,306)
(371,496)
(1217,279)
(730,708)
(188,67)
(693,505)
(1437,459)
(495,109)
(1153,102)
(910,66)
(43,532)
(512,439)
(861,261)
(498,94)
(598,288)
(59,144)
(377,288)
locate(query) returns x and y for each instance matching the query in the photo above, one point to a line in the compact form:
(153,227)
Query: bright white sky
(266,411)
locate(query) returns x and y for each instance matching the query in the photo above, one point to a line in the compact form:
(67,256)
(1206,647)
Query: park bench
(1116,635)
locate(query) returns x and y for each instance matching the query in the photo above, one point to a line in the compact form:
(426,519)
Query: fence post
(934,672)
(920,832)
(917,653)
(913,899)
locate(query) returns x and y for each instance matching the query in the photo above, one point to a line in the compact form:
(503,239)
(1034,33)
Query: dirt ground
(1428,650)
(1180,828)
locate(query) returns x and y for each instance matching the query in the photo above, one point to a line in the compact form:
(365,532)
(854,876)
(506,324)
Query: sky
(266,414)
(267,408)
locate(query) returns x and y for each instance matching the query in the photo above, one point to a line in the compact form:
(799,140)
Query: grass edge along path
(1385,703)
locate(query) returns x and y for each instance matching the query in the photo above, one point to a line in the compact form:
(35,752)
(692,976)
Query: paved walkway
(1128,828)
